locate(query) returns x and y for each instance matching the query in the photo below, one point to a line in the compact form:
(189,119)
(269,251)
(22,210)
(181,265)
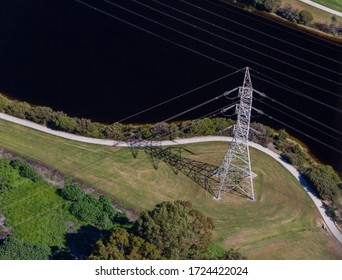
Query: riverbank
(319,15)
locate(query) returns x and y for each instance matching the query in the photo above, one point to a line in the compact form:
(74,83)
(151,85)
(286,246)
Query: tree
(178,230)
(305,17)
(124,246)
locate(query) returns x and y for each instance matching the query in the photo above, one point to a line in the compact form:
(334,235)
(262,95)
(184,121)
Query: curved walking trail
(321,7)
(330,224)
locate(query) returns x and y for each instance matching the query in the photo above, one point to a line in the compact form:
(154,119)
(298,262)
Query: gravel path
(321,7)
(330,224)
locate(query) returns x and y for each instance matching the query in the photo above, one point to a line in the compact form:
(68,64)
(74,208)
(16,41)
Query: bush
(14,249)
(86,209)
(17,109)
(25,170)
(288,12)
(305,17)
(107,206)
(324,27)
(324,180)
(72,192)
(268,5)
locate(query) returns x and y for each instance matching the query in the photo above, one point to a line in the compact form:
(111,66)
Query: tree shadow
(80,244)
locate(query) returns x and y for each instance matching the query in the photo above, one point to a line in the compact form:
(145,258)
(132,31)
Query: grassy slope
(280,225)
(333,4)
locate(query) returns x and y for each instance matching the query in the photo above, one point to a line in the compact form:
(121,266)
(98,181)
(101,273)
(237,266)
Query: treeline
(288,12)
(172,230)
(116,131)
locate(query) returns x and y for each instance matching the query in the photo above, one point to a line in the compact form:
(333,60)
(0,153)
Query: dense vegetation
(14,249)
(116,131)
(87,208)
(42,218)
(287,12)
(48,223)
(172,230)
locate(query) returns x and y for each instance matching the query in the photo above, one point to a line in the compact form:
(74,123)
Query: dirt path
(330,224)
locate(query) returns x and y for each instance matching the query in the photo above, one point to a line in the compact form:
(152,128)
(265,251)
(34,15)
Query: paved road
(330,224)
(321,7)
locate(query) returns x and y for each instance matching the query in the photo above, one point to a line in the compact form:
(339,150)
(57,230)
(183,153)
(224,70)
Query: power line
(286,87)
(246,38)
(299,113)
(260,32)
(216,47)
(155,35)
(299,120)
(181,95)
(206,56)
(299,131)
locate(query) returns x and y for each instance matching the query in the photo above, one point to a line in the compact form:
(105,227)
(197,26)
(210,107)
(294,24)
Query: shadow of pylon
(201,173)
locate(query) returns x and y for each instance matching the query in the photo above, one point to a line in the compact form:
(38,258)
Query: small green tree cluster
(14,249)
(124,246)
(171,230)
(89,209)
(178,230)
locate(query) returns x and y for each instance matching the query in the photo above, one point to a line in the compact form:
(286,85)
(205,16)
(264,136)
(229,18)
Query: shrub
(72,192)
(25,170)
(325,181)
(107,206)
(14,249)
(288,12)
(86,209)
(305,17)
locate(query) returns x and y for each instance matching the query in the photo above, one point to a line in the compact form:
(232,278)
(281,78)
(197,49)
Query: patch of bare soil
(4,231)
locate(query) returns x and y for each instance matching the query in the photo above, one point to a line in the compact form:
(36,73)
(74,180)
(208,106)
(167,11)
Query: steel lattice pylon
(235,171)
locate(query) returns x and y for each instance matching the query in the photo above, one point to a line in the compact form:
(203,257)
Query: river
(61,54)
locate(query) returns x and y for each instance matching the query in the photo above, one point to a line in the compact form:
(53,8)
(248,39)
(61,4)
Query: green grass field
(36,213)
(333,4)
(281,224)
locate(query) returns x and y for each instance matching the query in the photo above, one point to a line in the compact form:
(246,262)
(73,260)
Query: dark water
(61,54)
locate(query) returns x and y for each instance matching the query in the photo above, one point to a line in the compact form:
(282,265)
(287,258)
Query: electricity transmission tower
(235,170)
